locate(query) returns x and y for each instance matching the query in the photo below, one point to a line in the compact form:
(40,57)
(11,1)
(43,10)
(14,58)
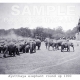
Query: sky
(32,15)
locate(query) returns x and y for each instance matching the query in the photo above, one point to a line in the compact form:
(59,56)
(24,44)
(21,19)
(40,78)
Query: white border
(74,77)
(39,1)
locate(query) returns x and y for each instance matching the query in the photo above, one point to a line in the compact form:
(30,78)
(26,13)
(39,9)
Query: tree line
(41,32)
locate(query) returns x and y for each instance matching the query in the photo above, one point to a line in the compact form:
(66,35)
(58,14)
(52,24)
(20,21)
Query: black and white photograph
(39,38)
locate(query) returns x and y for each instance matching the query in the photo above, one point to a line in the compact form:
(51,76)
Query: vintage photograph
(39,38)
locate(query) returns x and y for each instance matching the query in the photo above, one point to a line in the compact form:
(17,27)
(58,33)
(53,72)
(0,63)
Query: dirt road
(43,62)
